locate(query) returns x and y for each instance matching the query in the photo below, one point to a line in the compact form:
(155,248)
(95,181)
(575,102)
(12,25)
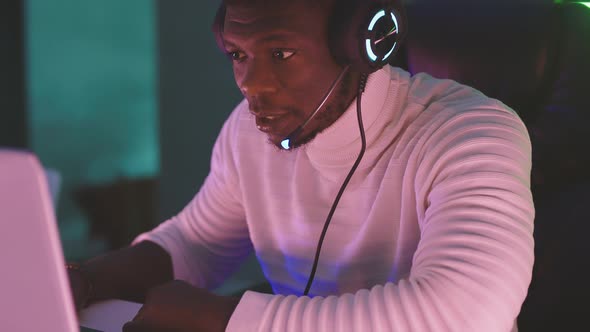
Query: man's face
(283,66)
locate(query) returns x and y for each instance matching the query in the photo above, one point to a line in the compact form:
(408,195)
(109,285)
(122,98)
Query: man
(433,232)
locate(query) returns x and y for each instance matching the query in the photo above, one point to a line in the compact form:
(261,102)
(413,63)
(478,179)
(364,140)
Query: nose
(256,79)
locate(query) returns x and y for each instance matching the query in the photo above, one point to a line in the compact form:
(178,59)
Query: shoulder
(449,94)
(447,103)
(445,117)
(239,138)
(237,118)
(239,126)
(229,136)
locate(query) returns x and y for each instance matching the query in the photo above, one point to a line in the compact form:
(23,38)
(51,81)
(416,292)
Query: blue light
(390,52)
(286,144)
(370,52)
(376,18)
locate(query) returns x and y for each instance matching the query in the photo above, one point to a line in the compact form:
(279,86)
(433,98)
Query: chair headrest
(499,47)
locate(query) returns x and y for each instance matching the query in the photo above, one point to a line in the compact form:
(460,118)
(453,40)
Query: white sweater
(433,233)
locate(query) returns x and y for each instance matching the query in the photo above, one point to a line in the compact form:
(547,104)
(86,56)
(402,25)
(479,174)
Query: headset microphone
(287,142)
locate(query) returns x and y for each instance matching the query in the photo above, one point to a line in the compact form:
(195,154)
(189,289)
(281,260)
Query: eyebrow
(274,36)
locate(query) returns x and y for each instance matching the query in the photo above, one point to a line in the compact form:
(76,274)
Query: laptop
(34,286)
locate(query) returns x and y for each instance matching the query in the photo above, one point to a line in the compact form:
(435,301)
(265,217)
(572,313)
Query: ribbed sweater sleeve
(473,263)
(209,238)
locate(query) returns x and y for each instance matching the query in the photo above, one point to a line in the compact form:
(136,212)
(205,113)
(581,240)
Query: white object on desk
(34,290)
(109,316)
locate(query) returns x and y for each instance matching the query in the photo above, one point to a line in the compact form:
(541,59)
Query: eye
(236,55)
(282,54)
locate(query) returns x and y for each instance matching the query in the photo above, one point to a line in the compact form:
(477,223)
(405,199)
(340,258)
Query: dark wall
(196,94)
(13,120)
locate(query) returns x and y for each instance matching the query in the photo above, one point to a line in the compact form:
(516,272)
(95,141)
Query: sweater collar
(339,144)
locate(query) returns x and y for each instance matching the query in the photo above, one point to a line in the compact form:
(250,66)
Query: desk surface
(108,316)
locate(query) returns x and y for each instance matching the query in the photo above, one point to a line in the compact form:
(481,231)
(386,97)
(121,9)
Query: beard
(341,99)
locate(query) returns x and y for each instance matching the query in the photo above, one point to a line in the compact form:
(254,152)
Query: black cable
(361,89)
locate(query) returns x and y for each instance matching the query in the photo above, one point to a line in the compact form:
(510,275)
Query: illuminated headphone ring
(381,34)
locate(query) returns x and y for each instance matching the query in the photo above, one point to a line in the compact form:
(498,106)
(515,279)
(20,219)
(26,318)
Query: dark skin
(143,273)
(283,67)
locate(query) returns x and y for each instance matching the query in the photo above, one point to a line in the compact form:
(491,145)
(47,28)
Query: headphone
(362,34)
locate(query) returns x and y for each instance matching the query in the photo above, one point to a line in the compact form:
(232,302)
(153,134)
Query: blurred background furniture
(119,211)
(535,57)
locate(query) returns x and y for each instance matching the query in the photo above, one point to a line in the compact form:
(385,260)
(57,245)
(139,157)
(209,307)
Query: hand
(178,306)
(79,287)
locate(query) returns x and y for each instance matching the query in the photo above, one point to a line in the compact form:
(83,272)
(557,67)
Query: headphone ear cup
(353,33)
(217,27)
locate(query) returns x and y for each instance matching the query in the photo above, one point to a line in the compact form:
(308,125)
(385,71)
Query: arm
(201,245)
(142,273)
(209,238)
(473,263)
(206,241)
(126,273)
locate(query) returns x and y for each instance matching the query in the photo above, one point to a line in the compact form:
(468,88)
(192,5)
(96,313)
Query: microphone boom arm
(286,143)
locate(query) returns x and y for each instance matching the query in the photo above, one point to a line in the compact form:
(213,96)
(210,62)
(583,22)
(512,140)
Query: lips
(269,124)
(267,121)
(267,113)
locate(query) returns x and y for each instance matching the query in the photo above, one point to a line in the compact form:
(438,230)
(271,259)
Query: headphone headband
(361,33)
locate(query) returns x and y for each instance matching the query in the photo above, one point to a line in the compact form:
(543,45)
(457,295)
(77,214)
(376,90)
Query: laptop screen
(33,282)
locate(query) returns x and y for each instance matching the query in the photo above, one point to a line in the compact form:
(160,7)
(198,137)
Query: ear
(356,26)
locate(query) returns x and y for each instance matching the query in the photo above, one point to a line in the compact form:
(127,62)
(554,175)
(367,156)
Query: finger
(138,327)
(139,315)
(145,327)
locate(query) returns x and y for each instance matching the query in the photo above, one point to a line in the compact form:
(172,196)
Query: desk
(108,316)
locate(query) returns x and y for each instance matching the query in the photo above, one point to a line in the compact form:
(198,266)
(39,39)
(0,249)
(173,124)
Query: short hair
(322,3)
